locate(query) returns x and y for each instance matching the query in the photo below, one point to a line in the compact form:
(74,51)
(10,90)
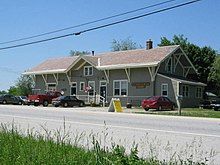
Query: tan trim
(183,81)
(131,65)
(128,73)
(45,72)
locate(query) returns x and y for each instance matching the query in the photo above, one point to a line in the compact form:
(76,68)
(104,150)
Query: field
(192,112)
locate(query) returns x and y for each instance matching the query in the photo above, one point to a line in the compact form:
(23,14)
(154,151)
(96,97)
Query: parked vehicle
(67,101)
(43,99)
(157,102)
(216,107)
(9,99)
(22,99)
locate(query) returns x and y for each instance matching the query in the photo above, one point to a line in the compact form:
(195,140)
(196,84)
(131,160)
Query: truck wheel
(36,104)
(45,103)
(4,102)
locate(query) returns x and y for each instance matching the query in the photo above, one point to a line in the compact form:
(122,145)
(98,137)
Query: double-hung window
(185,91)
(88,71)
(198,92)
(120,87)
(164,90)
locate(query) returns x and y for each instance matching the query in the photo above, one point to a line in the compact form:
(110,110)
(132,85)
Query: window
(164,90)
(185,91)
(169,66)
(198,92)
(120,87)
(82,86)
(51,87)
(88,71)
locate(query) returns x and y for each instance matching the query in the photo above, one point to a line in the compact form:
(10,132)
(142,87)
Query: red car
(157,102)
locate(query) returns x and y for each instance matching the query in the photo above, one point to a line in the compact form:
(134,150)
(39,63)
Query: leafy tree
(126,44)
(79,53)
(201,57)
(214,77)
(23,86)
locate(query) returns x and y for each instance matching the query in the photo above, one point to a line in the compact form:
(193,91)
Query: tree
(23,86)
(214,77)
(201,57)
(79,53)
(126,44)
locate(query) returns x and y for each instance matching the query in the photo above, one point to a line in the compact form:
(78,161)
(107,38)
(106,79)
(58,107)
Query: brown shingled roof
(53,64)
(138,56)
(110,59)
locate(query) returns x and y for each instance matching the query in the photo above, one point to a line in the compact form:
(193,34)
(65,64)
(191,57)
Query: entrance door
(103,89)
(91,84)
(73,89)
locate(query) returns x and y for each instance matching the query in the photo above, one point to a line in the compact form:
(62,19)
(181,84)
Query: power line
(102,26)
(87,23)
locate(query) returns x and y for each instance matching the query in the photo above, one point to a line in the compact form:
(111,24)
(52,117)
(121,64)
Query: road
(161,136)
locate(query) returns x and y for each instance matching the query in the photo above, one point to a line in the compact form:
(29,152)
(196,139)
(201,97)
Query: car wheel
(159,108)
(146,109)
(45,103)
(4,102)
(173,107)
(81,104)
(19,103)
(65,104)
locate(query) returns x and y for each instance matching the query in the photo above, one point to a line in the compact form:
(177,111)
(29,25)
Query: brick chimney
(149,44)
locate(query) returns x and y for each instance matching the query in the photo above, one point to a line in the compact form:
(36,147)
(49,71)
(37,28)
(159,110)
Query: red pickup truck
(43,99)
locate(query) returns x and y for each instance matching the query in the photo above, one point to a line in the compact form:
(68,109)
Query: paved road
(161,136)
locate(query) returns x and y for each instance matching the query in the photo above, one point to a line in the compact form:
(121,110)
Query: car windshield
(23,97)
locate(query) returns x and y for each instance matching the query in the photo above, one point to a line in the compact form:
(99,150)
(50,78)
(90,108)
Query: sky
(199,22)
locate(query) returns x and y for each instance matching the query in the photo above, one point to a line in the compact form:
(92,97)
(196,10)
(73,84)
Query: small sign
(140,85)
(115,105)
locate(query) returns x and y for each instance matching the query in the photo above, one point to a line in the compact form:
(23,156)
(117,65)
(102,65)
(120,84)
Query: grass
(35,148)
(192,112)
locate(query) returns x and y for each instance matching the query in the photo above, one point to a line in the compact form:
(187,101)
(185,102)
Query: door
(73,89)
(91,85)
(103,89)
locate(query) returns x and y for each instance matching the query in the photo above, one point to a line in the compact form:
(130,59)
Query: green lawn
(193,112)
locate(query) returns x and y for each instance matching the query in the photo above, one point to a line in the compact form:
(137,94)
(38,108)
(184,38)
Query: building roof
(135,57)
(55,65)
(182,80)
(110,60)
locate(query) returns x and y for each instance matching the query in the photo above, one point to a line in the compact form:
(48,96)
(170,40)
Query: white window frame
(80,85)
(186,91)
(88,68)
(71,88)
(162,90)
(198,92)
(51,84)
(120,88)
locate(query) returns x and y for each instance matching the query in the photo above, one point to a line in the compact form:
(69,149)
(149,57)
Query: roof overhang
(183,81)
(123,66)
(45,72)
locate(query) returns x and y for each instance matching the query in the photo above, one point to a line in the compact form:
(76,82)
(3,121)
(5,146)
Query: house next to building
(130,75)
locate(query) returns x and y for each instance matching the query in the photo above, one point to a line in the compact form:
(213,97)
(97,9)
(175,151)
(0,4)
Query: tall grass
(56,147)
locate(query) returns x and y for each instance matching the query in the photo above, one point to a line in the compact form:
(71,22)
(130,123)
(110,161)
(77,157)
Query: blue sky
(198,22)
